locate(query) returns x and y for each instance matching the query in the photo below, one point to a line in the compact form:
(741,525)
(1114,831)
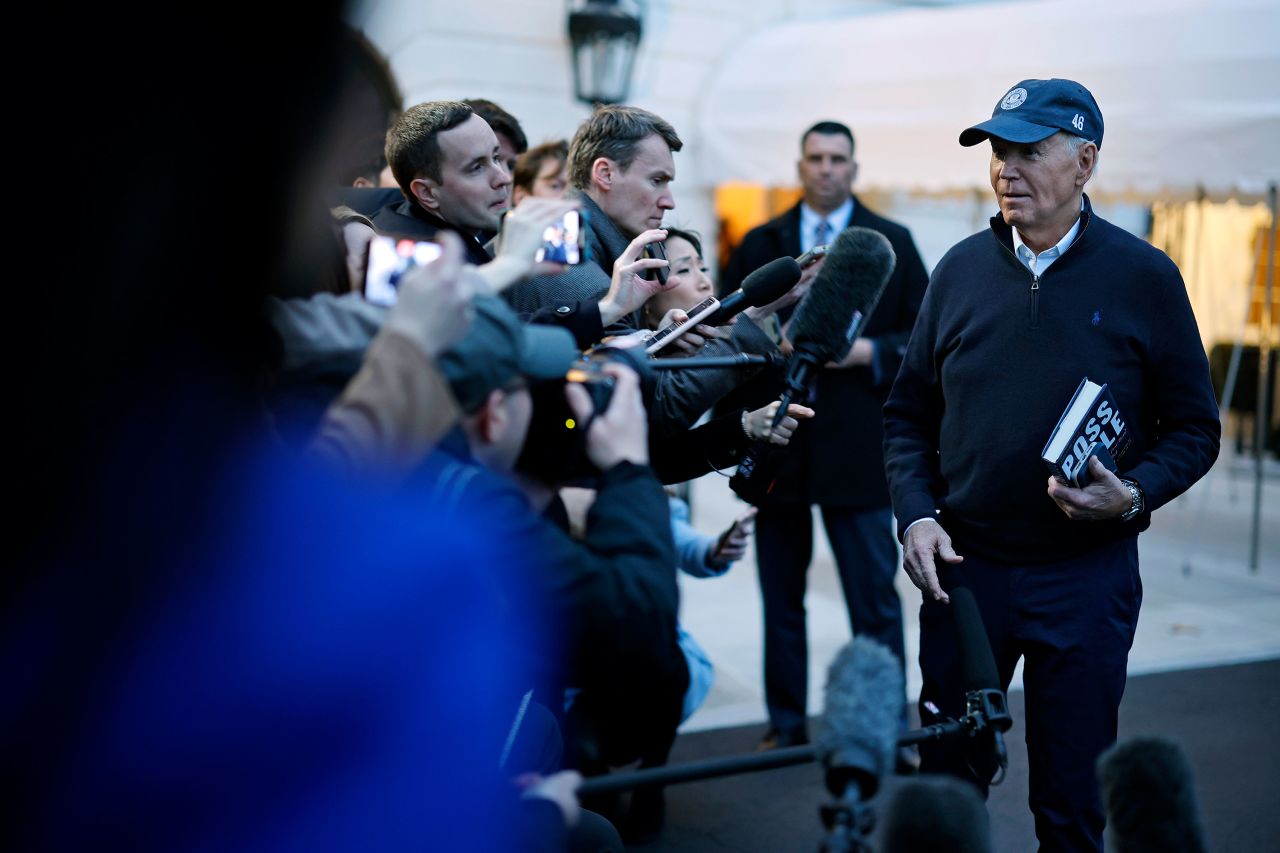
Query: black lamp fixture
(604,36)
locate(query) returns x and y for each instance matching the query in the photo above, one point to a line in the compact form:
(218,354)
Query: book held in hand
(1090,426)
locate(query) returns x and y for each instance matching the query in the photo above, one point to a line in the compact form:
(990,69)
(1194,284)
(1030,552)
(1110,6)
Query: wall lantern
(604,36)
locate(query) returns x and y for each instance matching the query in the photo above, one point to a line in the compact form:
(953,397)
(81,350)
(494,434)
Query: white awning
(1189,91)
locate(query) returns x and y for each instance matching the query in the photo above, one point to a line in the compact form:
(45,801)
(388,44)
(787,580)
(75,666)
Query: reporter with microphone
(835,460)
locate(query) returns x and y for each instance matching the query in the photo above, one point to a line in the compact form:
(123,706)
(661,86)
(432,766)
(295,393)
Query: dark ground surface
(1226,718)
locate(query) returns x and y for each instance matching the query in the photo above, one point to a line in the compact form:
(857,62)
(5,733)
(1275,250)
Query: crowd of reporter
(289,572)
(463,399)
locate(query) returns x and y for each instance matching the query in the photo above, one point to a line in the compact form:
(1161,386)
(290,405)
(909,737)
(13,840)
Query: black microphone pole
(741,359)
(985,702)
(714,768)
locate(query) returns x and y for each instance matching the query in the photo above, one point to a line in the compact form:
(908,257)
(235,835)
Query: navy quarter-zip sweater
(994,359)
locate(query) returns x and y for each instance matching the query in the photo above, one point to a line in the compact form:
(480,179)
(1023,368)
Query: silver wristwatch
(1135,508)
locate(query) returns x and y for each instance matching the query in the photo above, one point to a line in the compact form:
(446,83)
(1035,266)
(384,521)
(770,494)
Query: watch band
(1135,508)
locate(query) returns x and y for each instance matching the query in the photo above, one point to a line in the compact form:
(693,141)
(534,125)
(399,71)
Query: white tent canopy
(1189,91)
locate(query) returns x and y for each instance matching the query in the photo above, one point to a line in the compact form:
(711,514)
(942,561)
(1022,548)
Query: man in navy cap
(1013,319)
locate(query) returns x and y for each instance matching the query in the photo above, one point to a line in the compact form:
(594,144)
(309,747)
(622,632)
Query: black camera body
(555,447)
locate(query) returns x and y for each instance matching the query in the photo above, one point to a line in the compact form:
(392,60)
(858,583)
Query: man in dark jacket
(621,165)
(835,460)
(449,166)
(612,594)
(1014,318)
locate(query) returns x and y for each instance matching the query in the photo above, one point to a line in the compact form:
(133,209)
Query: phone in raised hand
(389,258)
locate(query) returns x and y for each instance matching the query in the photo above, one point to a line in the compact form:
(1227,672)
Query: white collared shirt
(809,219)
(1039,263)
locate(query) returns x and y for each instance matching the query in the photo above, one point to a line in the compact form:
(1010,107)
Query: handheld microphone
(844,294)
(764,285)
(1149,795)
(984,700)
(829,318)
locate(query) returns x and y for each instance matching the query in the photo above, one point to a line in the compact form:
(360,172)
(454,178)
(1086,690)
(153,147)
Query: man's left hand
(1105,497)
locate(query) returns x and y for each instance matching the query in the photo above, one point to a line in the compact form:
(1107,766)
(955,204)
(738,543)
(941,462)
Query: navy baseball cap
(498,349)
(1037,109)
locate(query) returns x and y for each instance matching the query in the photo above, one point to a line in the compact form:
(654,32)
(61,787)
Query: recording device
(746,522)
(671,331)
(1148,791)
(858,739)
(824,326)
(657,251)
(764,285)
(812,256)
(564,241)
(555,447)
(855,742)
(984,699)
(390,258)
(843,295)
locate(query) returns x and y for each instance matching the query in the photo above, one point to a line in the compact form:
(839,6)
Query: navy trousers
(1073,624)
(866,559)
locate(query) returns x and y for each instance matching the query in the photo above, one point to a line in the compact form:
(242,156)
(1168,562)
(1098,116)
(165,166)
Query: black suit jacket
(407,219)
(837,459)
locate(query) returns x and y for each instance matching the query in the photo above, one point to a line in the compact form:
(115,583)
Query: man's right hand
(628,291)
(621,432)
(924,543)
(521,237)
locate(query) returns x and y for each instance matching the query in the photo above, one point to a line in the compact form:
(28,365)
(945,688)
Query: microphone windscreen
(977,663)
(1149,795)
(865,695)
(771,281)
(844,294)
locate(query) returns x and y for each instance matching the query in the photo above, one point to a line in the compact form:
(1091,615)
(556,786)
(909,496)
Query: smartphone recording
(389,259)
(657,251)
(562,242)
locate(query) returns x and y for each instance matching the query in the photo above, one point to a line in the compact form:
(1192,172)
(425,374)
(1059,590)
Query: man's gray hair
(1073,143)
(614,132)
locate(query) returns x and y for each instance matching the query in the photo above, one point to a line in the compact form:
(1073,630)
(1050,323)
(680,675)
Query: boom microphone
(1149,794)
(762,286)
(984,699)
(858,739)
(844,294)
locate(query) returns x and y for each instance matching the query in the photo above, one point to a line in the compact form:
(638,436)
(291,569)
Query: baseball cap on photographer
(498,349)
(1036,109)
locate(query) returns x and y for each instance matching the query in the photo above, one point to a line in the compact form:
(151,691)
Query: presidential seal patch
(1014,99)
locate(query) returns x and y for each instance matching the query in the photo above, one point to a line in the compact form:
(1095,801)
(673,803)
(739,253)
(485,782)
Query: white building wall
(517,54)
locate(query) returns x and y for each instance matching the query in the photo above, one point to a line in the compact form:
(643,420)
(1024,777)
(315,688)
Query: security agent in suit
(835,460)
